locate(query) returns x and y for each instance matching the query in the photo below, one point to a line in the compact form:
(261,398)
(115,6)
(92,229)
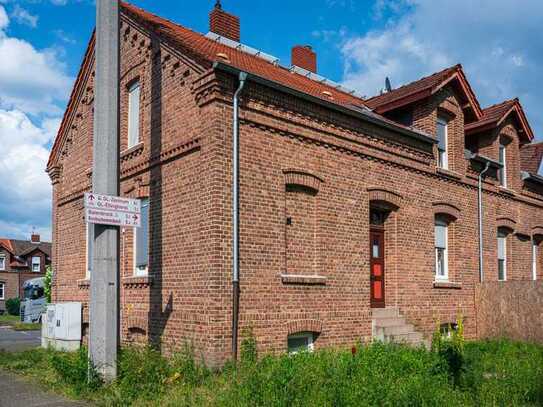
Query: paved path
(15,392)
(16,341)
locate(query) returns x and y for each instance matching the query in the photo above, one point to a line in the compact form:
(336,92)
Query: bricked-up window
(141,242)
(502,255)
(2,262)
(441,249)
(502,175)
(36,261)
(133,114)
(301,207)
(442,155)
(90,246)
(300,342)
(2,286)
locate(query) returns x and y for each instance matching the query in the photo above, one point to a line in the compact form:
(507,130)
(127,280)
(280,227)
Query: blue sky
(358,43)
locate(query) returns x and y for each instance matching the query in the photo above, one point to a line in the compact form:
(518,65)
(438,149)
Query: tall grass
(494,373)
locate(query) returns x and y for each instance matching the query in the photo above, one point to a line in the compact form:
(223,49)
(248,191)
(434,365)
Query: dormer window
(36,262)
(133,114)
(2,262)
(442,158)
(503,169)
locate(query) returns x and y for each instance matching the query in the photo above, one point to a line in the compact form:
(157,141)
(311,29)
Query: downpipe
(480,204)
(235,218)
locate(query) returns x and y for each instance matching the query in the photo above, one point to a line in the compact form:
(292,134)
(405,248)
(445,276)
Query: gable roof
(206,51)
(494,115)
(424,88)
(6,244)
(530,157)
(23,247)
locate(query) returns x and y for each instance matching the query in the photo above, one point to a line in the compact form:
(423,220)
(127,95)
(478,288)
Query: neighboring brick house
(21,260)
(346,204)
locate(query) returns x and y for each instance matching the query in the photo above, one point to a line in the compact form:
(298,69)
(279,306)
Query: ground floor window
(141,241)
(441,242)
(502,256)
(535,250)
(300,342)
(1,291)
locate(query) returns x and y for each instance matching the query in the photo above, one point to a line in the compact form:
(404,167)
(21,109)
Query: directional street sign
(112,210)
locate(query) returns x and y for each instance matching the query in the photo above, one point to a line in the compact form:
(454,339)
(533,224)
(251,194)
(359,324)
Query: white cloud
(22,16)
(498,47)
(31,80)
(24,186)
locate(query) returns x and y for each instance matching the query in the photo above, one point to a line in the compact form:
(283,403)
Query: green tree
(47,283)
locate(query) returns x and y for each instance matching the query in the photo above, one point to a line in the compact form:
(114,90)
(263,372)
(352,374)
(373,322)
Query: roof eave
(369,116)
(482,159)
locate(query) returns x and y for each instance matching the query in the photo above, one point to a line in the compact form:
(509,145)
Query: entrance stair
(389,325)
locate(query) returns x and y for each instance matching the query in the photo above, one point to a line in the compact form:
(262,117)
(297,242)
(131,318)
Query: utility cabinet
(61,327)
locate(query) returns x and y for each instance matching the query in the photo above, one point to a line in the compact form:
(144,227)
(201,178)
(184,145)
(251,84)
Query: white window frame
(2,262)
(310,336)
(134,117)
(443,161)
(3,291)
(445,276)
(535,254)
(503,236)
(34,263)
(503,162)
(140,272)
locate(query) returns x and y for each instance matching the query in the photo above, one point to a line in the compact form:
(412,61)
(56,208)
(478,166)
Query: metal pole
(235,217)
(480,202)
(104,291)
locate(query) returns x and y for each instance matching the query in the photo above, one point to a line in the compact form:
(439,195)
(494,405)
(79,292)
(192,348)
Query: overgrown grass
(26,326)
(7,319)
(495,373)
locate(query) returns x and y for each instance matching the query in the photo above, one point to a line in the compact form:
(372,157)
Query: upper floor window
(2,291)
(133,114)
(503,170)
(502,256)
(89,253)
(36,262)
(441,249)
(141,242)
(2,262)
(442,135)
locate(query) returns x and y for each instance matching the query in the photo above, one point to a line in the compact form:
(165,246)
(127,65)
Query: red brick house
(21,260)
(352,210)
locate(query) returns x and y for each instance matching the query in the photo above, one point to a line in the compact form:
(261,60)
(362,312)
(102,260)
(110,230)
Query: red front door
(377,268)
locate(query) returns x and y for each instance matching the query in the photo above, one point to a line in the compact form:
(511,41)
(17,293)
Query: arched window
(441,248)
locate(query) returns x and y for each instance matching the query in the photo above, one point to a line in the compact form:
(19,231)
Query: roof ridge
(501,103)
(450,68)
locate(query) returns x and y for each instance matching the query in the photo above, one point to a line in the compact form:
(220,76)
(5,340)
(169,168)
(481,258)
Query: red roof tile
(422,88)
(530,157)
(495,114)
(6,243)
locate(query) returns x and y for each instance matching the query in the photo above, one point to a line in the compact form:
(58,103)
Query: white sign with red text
(112,210)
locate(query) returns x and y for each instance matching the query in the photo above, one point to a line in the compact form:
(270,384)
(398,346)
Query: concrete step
(388,322)
(398,330)
(388,312)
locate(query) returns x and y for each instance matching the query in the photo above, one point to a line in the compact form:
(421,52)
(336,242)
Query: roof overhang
(359,112)
(481,159)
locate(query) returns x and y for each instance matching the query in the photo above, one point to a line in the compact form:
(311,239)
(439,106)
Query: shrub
(47,283)
(13,306)
(451,349)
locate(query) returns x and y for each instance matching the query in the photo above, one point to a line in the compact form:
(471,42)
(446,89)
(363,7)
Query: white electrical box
(61,328)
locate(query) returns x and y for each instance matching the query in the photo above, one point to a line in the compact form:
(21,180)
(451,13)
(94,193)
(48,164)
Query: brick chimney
(304,57)
(223,23)
(35,238)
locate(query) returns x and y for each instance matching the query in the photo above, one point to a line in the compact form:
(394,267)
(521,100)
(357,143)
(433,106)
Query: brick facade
(309,177)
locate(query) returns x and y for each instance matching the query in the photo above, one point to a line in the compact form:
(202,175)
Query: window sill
(137,282)
(132,152)
(448,173)
(303,279)
(506,191)
(83,284)
(447,284)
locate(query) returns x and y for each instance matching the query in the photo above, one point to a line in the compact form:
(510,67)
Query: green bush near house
(493,373)
(13,306)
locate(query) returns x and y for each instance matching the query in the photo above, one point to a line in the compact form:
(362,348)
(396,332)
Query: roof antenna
(388,86)
(218,5)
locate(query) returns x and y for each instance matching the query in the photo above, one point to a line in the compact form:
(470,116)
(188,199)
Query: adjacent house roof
(6,244)
(424,88)
(21,248)
(495,115)
(530,157)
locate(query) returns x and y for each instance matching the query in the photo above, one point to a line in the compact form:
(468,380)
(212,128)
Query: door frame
(380,230)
